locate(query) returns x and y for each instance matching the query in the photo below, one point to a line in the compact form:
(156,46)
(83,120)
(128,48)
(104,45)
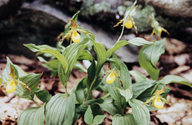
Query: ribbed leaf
(60,110)
(36,48)
(101,55)
(174,79)
(124,74)
(32,81)
(137,76)
(85,55)
(80,91)
(88,116)
(127,93)
(115,94)
(140,87)
(43,95)
(141,114)
(139,42)
(71,53)
(149,55)
(135,41)
(80,67)
(98,119)
(127,119)
(83,107)
(32,116)
(109,106)
(58,55)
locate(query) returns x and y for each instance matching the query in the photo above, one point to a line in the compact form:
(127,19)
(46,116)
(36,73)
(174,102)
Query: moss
(142,20)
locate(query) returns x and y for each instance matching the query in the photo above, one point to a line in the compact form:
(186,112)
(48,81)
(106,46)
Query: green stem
(66,90)
(105,96)
(36,103)
(121,33)
(89,91)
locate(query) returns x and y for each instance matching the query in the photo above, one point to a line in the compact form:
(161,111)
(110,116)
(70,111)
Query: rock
(9,8)
(29,26)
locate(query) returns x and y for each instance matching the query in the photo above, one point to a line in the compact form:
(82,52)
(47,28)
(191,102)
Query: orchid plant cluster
(145,95)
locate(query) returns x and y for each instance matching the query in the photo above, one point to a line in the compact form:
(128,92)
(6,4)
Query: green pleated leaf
(137,76)
(80,67)
(53,64)
(58,55)
(32,116)
(85,55)
(83,107)
(101,55)
(98,119)
(71,53)
(174,79)
(141,114)
(140,87)
(139,42)
(127,119)
(36,48)
(43,95)
(109,106)
(60,110)
(149,55)
(115,94)
(127,93)
(88,116)
(124,73)
(32,81)
(80,91)
(135,41)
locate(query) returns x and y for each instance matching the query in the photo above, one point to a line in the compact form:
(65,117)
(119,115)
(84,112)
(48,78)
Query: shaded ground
(177,60)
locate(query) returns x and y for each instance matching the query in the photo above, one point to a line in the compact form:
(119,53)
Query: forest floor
(177,60)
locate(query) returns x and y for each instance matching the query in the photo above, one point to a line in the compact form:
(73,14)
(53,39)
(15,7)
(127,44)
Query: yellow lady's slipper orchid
(157,103)
(12,83)
(156,28)
(110,78)
(11,87)
(129,22)
(157,99)
(75,36)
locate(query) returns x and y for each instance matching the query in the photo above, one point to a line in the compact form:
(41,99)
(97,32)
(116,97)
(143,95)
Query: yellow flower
(11,87)
(75,36)
(157,99)
(110,78)
(156,28)
(129,22)
(157,103)
(13,81)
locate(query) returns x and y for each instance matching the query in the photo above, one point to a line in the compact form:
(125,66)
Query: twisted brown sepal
(73,24)
(12,73)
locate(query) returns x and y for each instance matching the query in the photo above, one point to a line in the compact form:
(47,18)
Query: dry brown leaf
(181,59)
(174,46)
(179,69)
(187,76)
